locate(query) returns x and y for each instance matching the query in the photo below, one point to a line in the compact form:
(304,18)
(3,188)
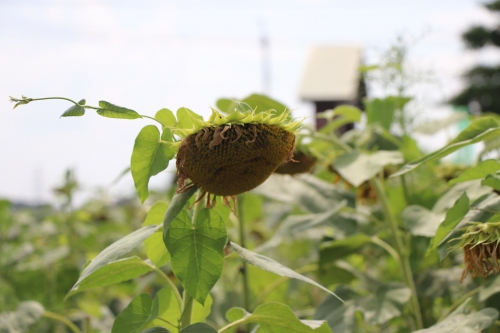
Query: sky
(152,54)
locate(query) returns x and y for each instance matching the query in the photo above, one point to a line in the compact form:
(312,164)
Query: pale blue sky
(147,55)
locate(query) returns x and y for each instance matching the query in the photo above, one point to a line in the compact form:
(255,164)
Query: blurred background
(149,55)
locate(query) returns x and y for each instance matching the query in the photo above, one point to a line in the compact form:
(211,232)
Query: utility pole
(265,58)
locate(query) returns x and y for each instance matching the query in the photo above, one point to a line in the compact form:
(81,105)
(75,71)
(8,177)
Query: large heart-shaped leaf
(149,157)
(166,118)
(197,251)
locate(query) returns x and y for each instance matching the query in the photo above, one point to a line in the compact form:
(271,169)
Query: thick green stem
(187,310)
(244,269)
(171,284)
(406,190)
(400,249)
(62,319)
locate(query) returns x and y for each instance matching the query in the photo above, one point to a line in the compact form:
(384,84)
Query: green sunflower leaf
(277,318)
(139,313)
(197,251)
(149,157)
(479,130)
(74,111)
(154,246)
(186,119)
(112,273)
(166,117)
(114,111)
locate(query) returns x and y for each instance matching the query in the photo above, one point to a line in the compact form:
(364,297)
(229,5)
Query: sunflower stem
(62,319)
(400,249)
(244,269)
(187,310)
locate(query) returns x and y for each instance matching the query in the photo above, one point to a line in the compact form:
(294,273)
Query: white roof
(332,74)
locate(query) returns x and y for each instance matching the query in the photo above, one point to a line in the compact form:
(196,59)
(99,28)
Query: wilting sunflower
(481,251)
(302,162)
(229,155)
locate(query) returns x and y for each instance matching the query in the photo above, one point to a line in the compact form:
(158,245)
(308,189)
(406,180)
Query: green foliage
(74,111)
(357,167)
(149,157)
(272,266)
(276,317)
(136,315)
(109,110)
(373,239)
(197,251)
(459,321)
(480,129)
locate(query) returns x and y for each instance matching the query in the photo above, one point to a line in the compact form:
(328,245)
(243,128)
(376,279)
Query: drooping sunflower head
(480,243)
(229,155)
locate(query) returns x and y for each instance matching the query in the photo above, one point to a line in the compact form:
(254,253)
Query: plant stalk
(62,319)
(187,310)
(170,283)
(244,269)
(400,249)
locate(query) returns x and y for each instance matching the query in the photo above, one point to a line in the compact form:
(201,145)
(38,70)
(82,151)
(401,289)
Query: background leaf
(382,111)
(340,116)
(297,226)
(492,181)
(197,251)
(420,221)
(27,314)
(311,194)
(154,246)
(149,157)
(357,167)
(333,250)
(114,111)
(481,170)
(387,303)
(480,129)
(461,322)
